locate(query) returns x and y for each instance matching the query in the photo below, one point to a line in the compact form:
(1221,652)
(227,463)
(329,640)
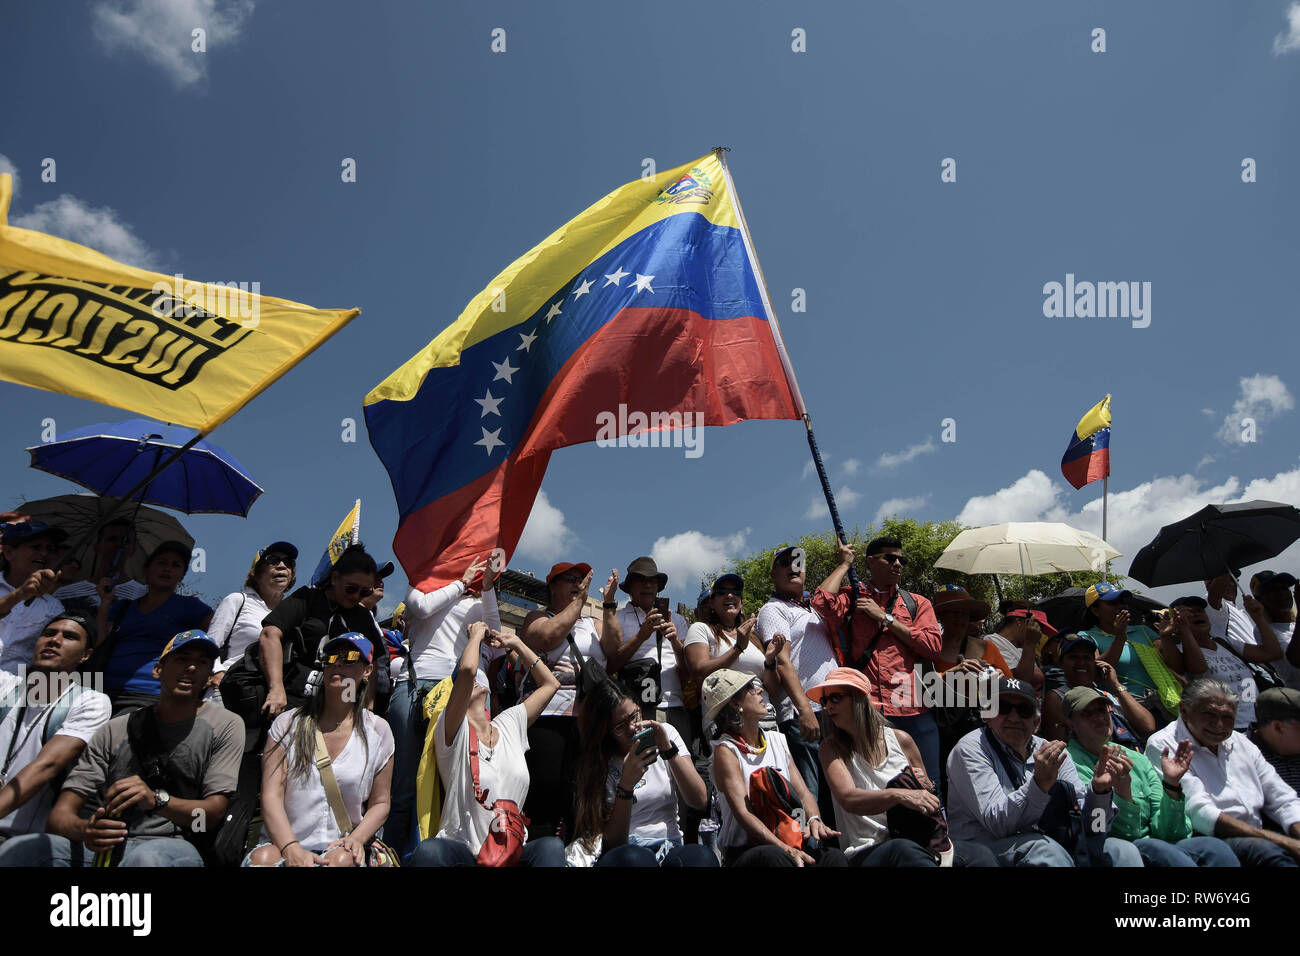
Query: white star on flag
(614,278)
(489,400)
(643,283)
(504,370)
(552,312)
(586,287)
(490,440)
(526,341)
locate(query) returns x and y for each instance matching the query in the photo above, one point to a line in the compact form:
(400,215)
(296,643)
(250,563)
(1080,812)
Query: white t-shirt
(87,592)
(776,755)
(1010,653)
(1231,621)
(20,628)
(751,658)
(305,802)
(809,645)
(502,773)
(588,642)
(437,628)
(670,686)
(654,815)
(23,741)
(1227,667)
(240,630)
(857,831)
(1285,669)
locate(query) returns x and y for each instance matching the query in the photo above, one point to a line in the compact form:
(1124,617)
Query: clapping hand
(1174,768)
(611,586)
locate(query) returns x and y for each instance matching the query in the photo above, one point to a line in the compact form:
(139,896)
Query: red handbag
(773,802)
(504,844)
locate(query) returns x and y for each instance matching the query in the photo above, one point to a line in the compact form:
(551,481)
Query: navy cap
(1190,600)
(1017,688)
(729,579)
(18,531)
(1074,640)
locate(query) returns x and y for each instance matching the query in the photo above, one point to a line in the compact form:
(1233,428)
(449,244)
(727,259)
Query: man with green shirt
(1149,808)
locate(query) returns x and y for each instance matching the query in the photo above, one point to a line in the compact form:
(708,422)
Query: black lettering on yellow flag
(74,321)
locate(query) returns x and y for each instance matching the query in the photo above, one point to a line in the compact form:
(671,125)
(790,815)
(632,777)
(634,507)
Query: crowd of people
(844,724)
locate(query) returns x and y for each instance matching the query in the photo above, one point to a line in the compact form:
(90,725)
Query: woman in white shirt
(723,637)
(237,621)
(740,756)
(627,794)
(482,762)
(301,827)
(860,753)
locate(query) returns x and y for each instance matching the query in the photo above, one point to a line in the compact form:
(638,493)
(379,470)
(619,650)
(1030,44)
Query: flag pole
(788,366)
(1105,495)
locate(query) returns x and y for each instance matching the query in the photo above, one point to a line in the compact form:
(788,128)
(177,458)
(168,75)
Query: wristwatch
(889,619)
(161,798)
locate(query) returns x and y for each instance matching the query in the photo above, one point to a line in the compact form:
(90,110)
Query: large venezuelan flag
(1087,458)
(650,298)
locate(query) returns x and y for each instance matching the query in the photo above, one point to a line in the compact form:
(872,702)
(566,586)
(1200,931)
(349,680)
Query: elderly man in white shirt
(1230,782)
(437,627)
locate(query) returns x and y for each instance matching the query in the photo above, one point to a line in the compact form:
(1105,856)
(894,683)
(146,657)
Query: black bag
(230,844)
(642,678)
(590,674)
(243,689)
(927,830)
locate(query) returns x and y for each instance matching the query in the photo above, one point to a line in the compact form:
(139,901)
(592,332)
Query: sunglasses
(1023,711)
(733,591)
(351,589)
(832,699)
(569,579)
(272,559)
(892,559)
(342,657)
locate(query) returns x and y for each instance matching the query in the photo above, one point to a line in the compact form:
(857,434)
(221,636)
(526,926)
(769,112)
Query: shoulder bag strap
(225,645)
(479,794)
(331,785)
(880,632)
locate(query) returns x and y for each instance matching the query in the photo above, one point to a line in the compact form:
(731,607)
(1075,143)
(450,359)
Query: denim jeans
(1030,849)
(439,851)
(1256,851)
(46,849)
(1194,851)
(630,855)
(925,734)
(406,719)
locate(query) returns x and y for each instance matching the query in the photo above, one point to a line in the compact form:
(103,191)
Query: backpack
(773,802)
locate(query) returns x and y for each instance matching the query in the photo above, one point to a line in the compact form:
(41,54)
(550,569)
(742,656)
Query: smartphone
(661,605)
(644,739)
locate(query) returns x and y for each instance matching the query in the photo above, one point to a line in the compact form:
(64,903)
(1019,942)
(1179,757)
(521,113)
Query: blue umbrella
(113,459)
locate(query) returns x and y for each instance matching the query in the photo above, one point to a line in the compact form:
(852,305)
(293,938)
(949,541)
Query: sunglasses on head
(351,589)
(342,657)
(892,558)
(1024,711)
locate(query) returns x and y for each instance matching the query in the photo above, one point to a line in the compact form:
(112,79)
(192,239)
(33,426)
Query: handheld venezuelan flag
(1087,458)
(348,533)
(650,299)
(74,321)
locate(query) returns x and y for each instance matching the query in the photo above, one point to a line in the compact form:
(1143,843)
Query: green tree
(923,543)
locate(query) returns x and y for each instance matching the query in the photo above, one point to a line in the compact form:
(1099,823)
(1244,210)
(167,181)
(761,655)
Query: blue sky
(924,299)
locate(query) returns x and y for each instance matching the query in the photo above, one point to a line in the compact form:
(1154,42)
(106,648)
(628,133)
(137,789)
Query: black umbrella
(1066,611)
(1215,540)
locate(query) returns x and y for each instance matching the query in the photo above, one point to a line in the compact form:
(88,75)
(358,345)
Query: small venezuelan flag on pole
(1087,458)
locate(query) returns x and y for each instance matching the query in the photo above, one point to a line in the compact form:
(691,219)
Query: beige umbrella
(1026,547)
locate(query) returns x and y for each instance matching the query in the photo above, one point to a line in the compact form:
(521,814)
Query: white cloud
(690,555)
(160,31)
(1032,497)
(546,536)
(845,498)
(1206,460)
(1289,41)
(894,459)
(1208,412)
(69,218)
(1262,398)
(851,467)
(7,166)
(1137,514)
(898,506)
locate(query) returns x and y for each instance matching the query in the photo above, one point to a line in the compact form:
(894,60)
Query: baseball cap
(1277,703)
(1189,600)
(784,555)
(1104,592)
(278,547)
(849,677)
(1077,698)
(1071,641)
(1039,616)
(564,567)
(384,570)
(728,580)
(719,687)
(16,532)
(195,637)
(1017,688)
(1268,580)
(351,640)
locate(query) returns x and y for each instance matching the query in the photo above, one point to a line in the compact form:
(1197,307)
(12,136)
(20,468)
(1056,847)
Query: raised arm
(1268,649)
(544,634)
(547,682)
